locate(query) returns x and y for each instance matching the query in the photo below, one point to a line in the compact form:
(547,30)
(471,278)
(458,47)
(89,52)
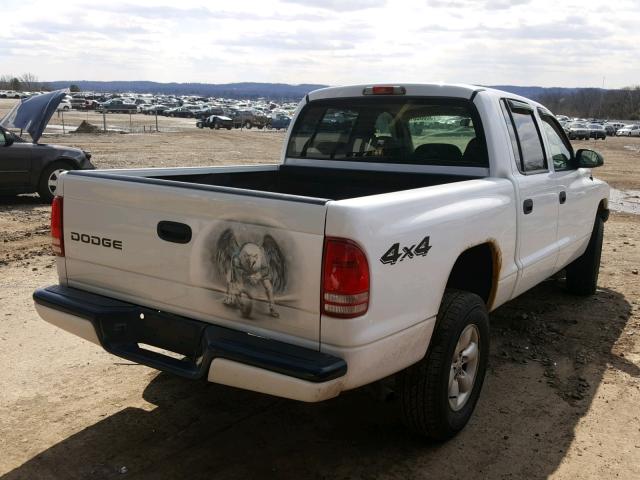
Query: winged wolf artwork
(247,266)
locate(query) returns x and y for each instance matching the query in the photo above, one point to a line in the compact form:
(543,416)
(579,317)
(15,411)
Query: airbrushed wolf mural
(246,266)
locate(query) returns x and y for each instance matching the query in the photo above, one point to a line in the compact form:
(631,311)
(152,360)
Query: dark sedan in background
(182,112)
(27,167)
(597,131)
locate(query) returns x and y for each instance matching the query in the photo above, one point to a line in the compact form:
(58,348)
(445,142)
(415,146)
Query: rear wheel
(48,184)
(439,393)
(582,273)
(248,125)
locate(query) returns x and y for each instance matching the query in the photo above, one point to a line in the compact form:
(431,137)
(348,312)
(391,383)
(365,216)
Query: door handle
(174,232)
(563,196)
(527,206)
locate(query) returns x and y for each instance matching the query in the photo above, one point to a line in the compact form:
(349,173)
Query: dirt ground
(561,399)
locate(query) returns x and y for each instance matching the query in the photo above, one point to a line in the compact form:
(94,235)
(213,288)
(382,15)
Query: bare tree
(29,82)
(5,80)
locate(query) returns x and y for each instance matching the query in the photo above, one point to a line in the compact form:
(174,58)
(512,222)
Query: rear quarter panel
(455,217)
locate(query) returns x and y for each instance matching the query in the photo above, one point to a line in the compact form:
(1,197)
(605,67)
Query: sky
(547,43)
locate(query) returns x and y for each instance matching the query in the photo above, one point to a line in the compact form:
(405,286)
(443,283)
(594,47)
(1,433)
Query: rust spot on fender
(496,264)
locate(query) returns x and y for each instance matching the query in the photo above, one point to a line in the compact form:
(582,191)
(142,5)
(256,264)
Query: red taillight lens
(345,279)
(57,240)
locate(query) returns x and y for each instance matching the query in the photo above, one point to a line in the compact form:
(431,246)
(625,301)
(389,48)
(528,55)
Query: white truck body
(466,206)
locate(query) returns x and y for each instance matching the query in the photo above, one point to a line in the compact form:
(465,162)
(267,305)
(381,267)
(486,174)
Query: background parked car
(610,129)
(248,119)
(206,112)
(278,121)
(64,105)
(578,131)
(597,131)
(27,167)
(629,131)
(215,122)
(117,105)
(153,109)
(182,112)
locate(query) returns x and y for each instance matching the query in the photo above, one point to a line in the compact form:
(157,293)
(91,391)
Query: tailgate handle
(174,232)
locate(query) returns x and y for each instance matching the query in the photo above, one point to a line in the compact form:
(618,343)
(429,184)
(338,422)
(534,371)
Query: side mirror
(589,159)
(8,141)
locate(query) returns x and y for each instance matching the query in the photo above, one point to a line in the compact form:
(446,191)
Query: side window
(525,137)
(560,152)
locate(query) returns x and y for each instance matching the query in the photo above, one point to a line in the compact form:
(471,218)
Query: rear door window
(525,137)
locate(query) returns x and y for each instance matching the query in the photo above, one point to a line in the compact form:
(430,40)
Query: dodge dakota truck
(399,216)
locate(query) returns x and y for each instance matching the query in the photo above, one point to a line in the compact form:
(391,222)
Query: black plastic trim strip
(207,188)
(122,326)
(475,92)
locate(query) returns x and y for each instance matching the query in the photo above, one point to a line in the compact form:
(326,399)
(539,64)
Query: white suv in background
(629,131)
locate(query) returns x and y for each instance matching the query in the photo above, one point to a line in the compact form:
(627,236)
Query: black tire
(582,273)
(229,128)
(217,125)
(199,125)
(423,388)
(43,184)
(248,125)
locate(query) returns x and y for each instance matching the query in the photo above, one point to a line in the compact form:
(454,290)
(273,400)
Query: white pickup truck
(399,216)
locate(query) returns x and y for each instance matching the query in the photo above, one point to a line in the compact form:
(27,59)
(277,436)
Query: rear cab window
(406,130)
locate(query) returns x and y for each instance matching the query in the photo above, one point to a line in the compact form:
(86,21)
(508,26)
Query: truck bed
(323,183)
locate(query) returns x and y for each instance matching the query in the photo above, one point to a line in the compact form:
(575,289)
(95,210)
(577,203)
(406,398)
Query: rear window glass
(390,130)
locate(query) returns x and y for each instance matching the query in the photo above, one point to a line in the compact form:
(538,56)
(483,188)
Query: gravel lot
(560,400)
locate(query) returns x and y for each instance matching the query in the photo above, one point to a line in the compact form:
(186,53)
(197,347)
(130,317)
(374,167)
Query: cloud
(340,5)
(177,14)
(324,41)
(309,41)
(56,27)
(475,5)
(569,28)
(503,4)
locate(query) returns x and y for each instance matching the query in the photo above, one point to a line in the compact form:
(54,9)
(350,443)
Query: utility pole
(601,97)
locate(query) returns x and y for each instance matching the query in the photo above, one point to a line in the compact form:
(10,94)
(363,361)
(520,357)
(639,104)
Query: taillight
(345,279)
(57,240)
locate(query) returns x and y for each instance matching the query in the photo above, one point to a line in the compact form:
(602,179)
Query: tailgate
(241,260)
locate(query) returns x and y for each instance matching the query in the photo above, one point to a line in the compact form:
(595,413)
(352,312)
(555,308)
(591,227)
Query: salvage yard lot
(561,396)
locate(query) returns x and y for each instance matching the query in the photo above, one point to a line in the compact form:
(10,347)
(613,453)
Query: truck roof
(452,90)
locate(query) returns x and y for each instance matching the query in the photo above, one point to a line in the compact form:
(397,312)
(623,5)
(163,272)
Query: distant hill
(253,89)
(247,90)
(581,102)
(536,92)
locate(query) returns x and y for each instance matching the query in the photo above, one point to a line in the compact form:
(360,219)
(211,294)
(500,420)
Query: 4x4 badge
(394,254)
